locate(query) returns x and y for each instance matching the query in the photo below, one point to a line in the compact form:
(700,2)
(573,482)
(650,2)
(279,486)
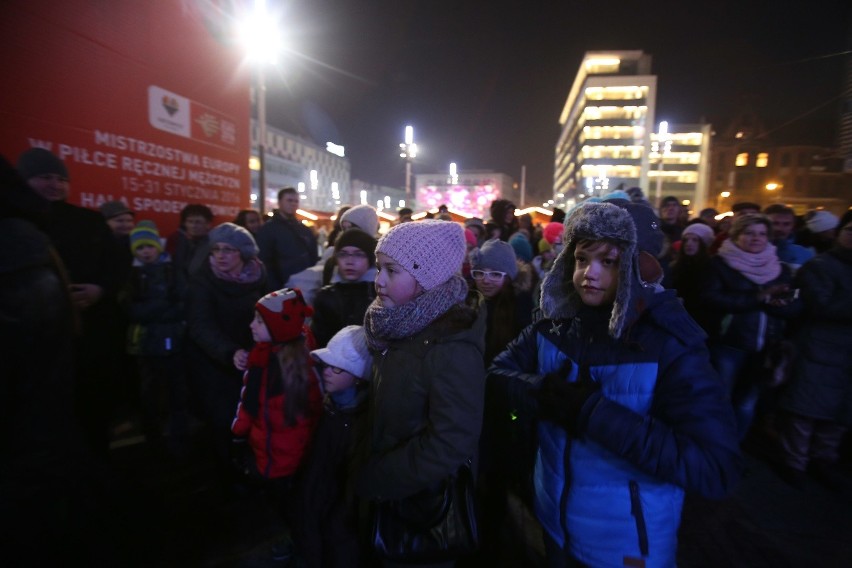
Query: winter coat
(338,305)
(822,383)
(660,424)
(426,405)
(688,276)
(188,255)
(154,305)
(218,316)
(277,446)
(286,247)
(327,533)
(747,323)
(791,254)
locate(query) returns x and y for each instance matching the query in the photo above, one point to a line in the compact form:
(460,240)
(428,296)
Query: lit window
(762,160)
(742,159)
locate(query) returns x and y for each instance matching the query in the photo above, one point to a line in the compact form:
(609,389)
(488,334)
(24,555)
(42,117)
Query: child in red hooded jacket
(280,402)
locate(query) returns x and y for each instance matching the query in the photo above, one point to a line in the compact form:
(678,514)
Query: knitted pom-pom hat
(145,233)
(284,313)
(431,251)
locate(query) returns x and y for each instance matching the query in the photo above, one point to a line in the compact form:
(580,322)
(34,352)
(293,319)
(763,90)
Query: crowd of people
(596,368)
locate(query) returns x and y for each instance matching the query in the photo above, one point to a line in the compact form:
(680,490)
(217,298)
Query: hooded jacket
(660,424)
(426,405)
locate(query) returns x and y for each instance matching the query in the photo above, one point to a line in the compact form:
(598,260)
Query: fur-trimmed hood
(602,221)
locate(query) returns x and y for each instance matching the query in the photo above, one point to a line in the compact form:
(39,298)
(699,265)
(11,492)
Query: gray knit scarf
(383,324)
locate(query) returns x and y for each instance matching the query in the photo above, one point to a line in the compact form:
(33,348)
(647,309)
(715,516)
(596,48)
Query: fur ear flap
(650,270)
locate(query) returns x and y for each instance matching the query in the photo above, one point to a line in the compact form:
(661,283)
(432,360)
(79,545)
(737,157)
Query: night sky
(483,83)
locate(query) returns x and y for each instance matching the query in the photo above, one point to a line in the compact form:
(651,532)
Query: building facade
(321,175)
(747,165)
(382,197)
(605,123)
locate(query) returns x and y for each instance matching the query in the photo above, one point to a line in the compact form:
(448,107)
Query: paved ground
(177,514)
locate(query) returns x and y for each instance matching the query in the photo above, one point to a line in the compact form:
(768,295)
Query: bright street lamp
(262,41)
(408,150)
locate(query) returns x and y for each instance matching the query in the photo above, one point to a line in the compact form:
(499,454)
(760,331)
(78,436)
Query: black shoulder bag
(430,526)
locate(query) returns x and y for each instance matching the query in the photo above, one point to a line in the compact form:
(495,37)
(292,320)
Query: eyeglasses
(493,275)
(223,250)
(335,370)
(343,255)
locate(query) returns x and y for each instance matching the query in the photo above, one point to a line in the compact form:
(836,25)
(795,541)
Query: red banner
(145,102)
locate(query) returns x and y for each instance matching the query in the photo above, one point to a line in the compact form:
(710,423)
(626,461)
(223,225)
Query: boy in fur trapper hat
(631,413)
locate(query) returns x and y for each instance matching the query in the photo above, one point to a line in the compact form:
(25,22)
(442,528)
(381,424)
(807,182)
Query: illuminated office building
(684,169)
(604,142)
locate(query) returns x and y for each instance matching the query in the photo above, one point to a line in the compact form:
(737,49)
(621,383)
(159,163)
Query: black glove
(560,401)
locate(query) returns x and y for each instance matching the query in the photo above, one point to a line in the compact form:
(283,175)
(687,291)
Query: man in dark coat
(286,245)
(93,262)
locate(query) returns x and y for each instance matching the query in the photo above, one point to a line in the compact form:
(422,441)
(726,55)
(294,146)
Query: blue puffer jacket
(660,424)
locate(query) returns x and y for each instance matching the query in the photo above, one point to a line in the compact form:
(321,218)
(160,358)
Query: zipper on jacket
(636,511)
(761,330)
(268,469)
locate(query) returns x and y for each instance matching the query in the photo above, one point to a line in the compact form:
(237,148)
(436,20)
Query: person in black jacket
(93,263)
(327,534)
(345,301)
(154,302)
(750,288)
(286,245)
(220,308)
(819,397)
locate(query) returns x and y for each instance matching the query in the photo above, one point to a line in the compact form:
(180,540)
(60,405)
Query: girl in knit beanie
(426,335)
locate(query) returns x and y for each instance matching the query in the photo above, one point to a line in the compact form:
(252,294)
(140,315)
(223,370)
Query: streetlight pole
(262,41)
(662,133)
(408,150)
(260,100)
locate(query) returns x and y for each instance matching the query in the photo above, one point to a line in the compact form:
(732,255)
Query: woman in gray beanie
(425,331)
(220,307)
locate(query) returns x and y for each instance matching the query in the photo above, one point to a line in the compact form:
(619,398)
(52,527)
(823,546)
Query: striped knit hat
(145,233)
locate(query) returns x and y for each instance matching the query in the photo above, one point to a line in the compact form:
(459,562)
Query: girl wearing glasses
(507,443)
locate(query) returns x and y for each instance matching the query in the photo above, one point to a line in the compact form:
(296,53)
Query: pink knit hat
(552,232)
(702,231)
(431,251)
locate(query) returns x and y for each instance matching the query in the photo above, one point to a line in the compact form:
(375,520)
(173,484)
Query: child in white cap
(327,510)
(428,387)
